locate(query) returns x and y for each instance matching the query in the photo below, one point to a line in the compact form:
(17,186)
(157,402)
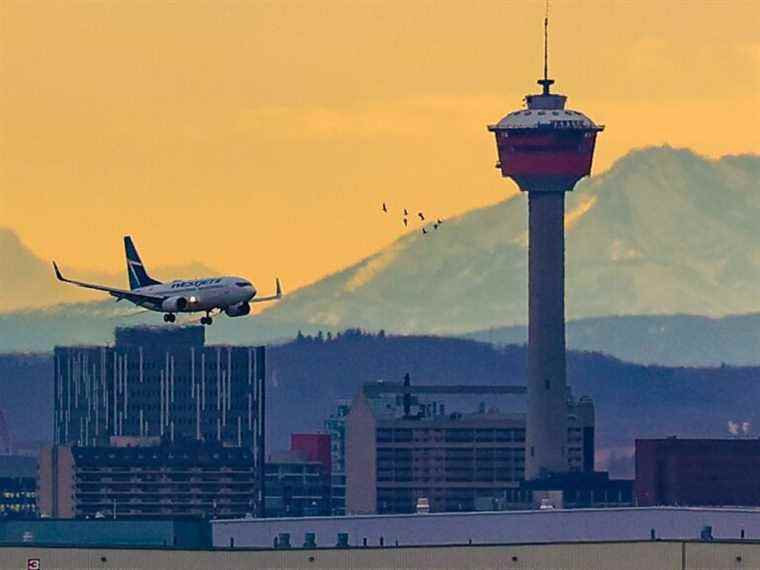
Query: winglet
(278,291)
(58,272)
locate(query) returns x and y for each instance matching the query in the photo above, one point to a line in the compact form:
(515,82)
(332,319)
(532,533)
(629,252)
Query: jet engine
(174,304)
(239,310)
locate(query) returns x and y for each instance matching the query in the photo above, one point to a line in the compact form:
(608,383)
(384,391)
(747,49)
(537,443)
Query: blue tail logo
(138,277)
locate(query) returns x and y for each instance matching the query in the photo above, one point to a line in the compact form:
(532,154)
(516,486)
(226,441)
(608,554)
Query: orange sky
(261,137)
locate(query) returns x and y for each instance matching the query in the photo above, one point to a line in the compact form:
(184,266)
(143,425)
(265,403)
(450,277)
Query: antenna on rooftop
(546,41)
(546,82)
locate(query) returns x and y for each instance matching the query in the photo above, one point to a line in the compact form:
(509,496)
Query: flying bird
(424,231)
(440,221)
(435,226)
(406,222)
(421,216)
(406,213)
(385,208)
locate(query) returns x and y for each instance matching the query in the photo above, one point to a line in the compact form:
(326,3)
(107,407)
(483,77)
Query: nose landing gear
(207,320)
(170,318)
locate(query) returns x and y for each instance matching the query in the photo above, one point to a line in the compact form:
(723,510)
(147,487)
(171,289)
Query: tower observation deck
(546,149)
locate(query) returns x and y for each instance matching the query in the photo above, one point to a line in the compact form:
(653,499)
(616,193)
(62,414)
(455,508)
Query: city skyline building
(298,480)
(401,447)
(335,426)
(182,403)
(159,382)
(139,478)
(697,472)
(546,149)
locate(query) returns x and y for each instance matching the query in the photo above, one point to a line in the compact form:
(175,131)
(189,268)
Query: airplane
(231,295)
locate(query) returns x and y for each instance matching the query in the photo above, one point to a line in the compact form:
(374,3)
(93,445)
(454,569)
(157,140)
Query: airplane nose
(252,290)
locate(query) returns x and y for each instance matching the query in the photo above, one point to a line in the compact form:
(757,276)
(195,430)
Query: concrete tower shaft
(546,433)
(546,149)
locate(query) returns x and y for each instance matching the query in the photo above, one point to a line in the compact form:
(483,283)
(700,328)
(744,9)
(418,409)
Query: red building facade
(313,446)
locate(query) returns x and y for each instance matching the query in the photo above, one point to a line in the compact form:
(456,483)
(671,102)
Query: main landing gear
(207,320)
(170,318)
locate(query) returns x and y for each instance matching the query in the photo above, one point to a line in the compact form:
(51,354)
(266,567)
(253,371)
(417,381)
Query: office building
(139,478)
(402,448)
(697,472)
(335,426)
(159,382)
(298,480)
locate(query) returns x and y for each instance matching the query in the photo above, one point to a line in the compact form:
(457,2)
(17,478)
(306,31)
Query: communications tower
(546,149)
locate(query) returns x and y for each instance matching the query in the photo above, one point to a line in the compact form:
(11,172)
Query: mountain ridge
(605,253)
(27,281)
(664,231)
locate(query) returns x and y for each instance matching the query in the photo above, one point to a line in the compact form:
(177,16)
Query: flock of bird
(425,228)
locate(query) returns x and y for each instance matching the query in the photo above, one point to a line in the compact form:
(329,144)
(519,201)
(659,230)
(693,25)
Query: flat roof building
(144,480)
(402,448)
(298,480)
(504,527)
(335,426)
(107,532)
(697,472)
(155,425)
(159,382)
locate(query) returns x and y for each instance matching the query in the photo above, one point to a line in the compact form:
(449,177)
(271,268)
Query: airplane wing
(118,293)
(275,297)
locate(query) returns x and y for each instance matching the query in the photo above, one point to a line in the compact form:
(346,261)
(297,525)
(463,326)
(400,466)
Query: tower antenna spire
(546,82)
(546,41)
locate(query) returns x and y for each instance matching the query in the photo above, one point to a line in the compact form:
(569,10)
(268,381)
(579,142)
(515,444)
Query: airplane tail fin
(138,277)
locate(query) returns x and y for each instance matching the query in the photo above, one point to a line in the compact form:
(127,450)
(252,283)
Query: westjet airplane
(233,295)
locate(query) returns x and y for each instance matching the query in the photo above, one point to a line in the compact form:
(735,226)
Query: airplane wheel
(169,318)
(172,318)
(209,320)
(166,318)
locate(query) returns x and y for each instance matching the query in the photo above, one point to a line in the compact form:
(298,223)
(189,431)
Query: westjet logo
(197,283)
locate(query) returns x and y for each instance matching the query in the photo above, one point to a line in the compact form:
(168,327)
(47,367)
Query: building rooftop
(501,527)
(187,335)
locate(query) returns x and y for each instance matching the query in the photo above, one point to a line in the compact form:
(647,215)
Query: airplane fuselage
(194,295)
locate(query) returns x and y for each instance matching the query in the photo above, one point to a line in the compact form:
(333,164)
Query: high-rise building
(159,382)
(335,426)
(546,149)
(402,448)
(164,416)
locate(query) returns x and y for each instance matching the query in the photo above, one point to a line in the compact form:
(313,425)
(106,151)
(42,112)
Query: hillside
(28,281)
(664,231)
(306,377)
(670,340)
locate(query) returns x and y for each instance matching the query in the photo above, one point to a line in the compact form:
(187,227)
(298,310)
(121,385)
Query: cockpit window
(242,284)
